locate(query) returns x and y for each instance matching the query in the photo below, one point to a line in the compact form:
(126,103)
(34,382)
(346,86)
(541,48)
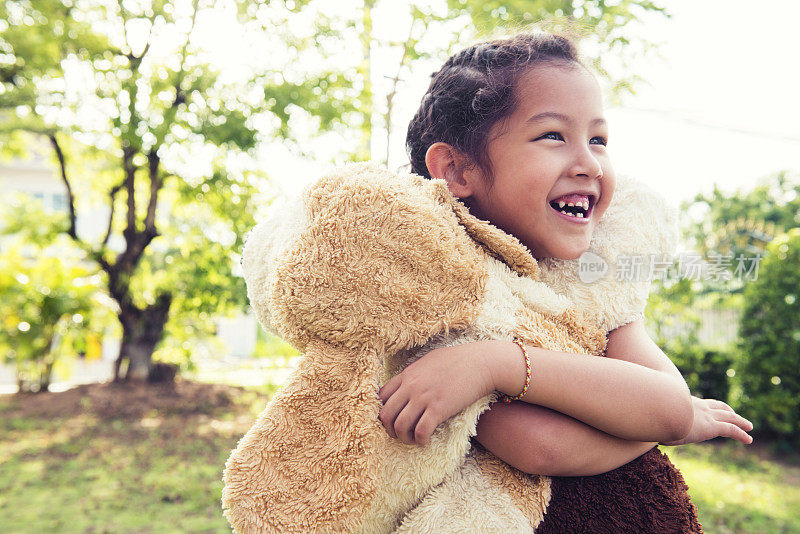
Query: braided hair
(474,90)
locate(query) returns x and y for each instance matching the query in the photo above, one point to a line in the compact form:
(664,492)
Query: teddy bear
(368,270)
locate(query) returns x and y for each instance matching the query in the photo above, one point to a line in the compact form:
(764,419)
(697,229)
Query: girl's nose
(586,164)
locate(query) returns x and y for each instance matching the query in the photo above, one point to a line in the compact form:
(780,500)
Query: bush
(705,369)
(769,370)
(674,326)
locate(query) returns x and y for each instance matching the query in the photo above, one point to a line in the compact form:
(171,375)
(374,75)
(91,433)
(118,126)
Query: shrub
(674,326)
(705,369)
(769,370)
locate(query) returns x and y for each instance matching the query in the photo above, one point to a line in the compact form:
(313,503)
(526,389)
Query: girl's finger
(733,417)
(729,430)
(390,411)
(425,427)
(389,388)
(719,405)
(406,422)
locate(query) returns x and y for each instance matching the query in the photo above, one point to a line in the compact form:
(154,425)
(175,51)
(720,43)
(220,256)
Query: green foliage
(705,369)
(271,346)
(743,222)
(49,302)
(770,342)
(669,307)
(674,323)
(138,111)
(603,26)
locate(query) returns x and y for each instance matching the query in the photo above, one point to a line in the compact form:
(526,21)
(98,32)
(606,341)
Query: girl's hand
(713,418)
(432,389)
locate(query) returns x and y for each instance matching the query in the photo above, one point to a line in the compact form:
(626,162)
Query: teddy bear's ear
(634,242)
(495,242)
(281,226)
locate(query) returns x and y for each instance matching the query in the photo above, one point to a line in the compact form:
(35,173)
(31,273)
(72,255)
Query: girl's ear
(445,162)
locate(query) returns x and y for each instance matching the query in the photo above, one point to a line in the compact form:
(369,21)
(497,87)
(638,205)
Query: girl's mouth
(575,207)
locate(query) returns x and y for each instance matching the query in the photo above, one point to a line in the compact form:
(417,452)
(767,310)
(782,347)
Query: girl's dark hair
(474,90)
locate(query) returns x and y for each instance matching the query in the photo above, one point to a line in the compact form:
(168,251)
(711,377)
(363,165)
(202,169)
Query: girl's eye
(552,135)
(600,140)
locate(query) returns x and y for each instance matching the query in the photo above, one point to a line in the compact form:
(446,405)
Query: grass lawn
(740,488)
(155,469)
(96,459)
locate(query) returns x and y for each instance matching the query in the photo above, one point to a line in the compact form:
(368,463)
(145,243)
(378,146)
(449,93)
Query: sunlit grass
(162,473)
(736,491)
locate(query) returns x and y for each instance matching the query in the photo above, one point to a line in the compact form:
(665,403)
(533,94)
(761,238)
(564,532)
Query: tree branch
(130,175)
(96,255)
(112,195)
(393,92)
(155,185)
(71,199)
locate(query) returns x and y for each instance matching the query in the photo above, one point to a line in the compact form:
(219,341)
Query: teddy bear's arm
(364,265)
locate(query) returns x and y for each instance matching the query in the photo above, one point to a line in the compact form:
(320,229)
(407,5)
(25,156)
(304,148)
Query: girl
(516,129)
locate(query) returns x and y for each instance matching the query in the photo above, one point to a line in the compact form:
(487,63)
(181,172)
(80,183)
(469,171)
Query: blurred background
(141,139)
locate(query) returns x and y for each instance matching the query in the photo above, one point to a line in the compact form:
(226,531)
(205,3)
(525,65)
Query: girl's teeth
(561,204)
(579,215)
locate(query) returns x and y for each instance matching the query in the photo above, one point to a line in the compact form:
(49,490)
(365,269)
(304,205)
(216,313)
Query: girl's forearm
(620,398)
(538,440)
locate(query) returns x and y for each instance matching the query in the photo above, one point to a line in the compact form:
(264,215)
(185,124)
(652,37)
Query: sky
(724,106)
(721,106)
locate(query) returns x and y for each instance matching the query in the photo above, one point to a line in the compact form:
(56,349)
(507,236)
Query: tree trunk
(44,379)
(141,332)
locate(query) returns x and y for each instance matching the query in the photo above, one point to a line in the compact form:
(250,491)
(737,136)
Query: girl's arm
(540,441)
(618,397)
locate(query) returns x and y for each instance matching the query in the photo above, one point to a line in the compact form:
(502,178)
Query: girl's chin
(567,253)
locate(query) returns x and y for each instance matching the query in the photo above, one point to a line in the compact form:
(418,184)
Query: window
(60,202)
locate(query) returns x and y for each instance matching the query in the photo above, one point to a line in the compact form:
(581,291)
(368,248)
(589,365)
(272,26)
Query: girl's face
(549,153)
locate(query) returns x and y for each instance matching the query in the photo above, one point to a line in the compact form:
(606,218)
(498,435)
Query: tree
(740,224)
(137,117)
(770,343)
(420,39)
(131,103)
(48,301)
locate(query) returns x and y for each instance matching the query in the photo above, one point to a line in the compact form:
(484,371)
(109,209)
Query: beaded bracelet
(505,397)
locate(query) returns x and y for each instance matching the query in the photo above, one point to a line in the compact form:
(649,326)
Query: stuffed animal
(369,270)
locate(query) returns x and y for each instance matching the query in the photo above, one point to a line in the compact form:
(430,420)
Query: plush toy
(366,272)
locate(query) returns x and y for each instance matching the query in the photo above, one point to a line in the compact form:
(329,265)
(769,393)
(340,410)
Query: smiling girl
(516,129)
